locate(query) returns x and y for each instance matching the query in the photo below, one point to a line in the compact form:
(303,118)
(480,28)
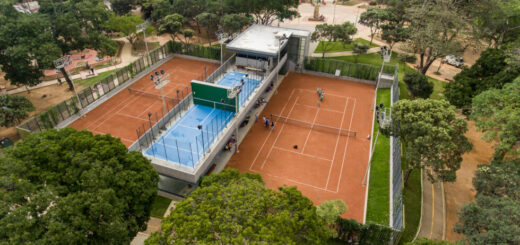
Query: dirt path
(462,191)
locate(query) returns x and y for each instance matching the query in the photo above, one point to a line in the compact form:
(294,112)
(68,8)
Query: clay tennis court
(326,164)
(122,114)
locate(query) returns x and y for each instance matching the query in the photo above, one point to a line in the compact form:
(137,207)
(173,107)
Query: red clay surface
(325,166)
(122,114)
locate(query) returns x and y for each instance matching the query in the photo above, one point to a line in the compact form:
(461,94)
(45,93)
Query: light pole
(151,130)
(357,16)
(202,133)
(142,28)
(60,64)
(160,80)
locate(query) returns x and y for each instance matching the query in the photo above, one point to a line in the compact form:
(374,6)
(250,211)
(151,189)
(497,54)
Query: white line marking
(303,154)
(326,93)
(109,112)
(337,143)
(127,115)
(314,106)
(310,131)
(107,118)
(279,133)
(295,181)
(148,108)
(346,145)
(269,134)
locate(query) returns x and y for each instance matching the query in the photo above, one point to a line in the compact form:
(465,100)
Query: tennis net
(315,126)
(149,94)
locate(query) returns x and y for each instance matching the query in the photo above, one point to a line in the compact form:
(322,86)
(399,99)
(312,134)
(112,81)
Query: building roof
(263,40)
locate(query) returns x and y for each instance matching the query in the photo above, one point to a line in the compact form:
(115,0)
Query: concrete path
(344,53)
(433,215)
(125,56)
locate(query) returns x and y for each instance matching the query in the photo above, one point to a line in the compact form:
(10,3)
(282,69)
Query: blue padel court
(233,79)
(186,141)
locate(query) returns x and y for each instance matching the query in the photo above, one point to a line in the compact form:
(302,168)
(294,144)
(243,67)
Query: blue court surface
(233,79)
(184,142)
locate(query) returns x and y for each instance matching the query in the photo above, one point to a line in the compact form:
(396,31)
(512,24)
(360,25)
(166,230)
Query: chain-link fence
(346,69)
(87,96)
(397,184)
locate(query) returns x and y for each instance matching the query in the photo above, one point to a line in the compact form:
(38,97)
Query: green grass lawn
(412,206)
(93,80)
(159,206)
(379,189)
(339,47)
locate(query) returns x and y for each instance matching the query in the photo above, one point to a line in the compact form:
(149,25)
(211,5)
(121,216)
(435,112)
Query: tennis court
(322,149)
(128,110)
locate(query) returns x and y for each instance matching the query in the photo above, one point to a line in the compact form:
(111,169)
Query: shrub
(418,85)
(372,3)
(410,58)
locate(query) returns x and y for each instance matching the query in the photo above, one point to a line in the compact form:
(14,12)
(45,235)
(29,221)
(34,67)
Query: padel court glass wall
(192,135)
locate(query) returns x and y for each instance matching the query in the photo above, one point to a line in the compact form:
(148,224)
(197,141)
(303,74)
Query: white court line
(320,108)
(346,145)
(148,108)
(295,181)
(337,142)
(326,93)
(117,112)
(303,154)
(211,112)
(99,132)
(128,115)
(196,129)
(279,133)
(176,125)
(310,131)
(270,131)
(109,112)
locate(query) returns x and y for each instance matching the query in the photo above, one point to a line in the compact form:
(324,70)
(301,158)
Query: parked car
(454,60)
(6,142)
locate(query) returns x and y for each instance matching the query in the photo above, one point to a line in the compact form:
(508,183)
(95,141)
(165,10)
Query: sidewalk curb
(420,219)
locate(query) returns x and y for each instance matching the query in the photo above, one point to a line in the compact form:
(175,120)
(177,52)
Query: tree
(122,7)
(266,12)
(188,35)
(496,113)
(393,28)
(495,216)
(434,30)
(209,20)
(13,109)
(433,125)
(418,85)
(359,48)
(155,10)
(373,18)
(490,71)
(326,34)
(495,22)
(172,24)
(330,210)
(232,23)
(30,43)
(127,26)
(232,207)
(26,47)
(72,187)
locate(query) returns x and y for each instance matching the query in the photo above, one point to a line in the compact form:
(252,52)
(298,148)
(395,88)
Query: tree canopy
(418,85)
(126,25)
(72,187)
(232,207)
(326,34)
(490,71)
(373,18)
(29,43)
(13,109)
(495,216)
(496,113)
(433,125)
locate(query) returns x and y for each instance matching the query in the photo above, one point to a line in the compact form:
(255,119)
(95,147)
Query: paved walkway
(343,53)
(125,56)
(433,212)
